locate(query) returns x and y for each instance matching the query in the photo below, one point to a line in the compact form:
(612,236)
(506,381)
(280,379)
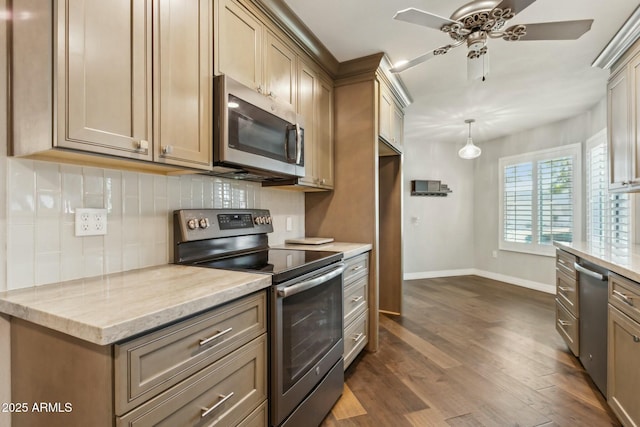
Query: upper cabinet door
(183,72)
(385,113)
(104,77)
(397,126)
(619,129)
(324,134)
(280,71)
(306,104)
(239,43)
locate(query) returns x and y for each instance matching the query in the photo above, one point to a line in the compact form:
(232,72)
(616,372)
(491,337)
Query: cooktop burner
(282,263)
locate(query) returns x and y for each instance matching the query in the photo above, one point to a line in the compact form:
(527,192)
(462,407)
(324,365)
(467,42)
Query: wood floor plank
(470,351)
(348,406)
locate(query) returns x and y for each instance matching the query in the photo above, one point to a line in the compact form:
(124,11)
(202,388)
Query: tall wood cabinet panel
(183,69)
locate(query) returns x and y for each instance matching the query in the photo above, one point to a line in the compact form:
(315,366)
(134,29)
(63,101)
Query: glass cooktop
(284,264)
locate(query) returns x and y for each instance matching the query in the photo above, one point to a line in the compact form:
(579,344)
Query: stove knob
(257,220)
(204,223)
(268,219)
(192,224)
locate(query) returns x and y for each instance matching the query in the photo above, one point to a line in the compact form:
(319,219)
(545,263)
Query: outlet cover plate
(91,222)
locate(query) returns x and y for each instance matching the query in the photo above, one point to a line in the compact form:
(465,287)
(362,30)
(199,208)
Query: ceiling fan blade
(420,17)
(412,63)
(564,30)
(516,6)
(424,57)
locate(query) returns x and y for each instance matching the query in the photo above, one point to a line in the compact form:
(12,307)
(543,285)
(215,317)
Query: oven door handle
(311,283)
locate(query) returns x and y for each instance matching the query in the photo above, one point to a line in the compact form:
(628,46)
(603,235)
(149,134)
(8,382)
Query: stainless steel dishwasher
(593,282)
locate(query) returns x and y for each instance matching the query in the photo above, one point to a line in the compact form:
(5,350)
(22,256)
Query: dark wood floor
(469,351)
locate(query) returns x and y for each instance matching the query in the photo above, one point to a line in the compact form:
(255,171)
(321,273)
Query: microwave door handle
(286,143)
(298,144)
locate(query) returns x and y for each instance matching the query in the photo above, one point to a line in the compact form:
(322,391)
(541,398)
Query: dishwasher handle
(590,273)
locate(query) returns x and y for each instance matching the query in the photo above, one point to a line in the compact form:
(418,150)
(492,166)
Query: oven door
(306,334)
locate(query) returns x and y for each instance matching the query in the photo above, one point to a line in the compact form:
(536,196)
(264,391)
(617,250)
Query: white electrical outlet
(91,222)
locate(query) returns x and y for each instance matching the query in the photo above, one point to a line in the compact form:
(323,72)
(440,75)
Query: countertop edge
(603,260)
(110,334)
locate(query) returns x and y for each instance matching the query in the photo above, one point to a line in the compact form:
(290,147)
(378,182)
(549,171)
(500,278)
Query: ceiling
(530,83)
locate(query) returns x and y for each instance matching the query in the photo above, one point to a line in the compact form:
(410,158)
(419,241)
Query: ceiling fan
(475,22)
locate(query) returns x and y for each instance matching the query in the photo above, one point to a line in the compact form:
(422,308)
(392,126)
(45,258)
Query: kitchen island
(140,347)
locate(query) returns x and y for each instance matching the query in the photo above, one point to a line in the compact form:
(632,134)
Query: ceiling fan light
(478,68)
(469,151)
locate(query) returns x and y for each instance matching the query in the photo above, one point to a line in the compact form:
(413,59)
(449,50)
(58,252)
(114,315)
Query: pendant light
(469,151)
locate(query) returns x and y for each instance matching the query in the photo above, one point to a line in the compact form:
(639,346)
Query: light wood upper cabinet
(323,152)
(183,84)
(315,106)
(109,96)
(249,52)
(104,62)
(623,126)
(239,44)
(280,71)
(390,118)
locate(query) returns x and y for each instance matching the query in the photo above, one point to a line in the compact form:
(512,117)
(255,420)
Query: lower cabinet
(623,369)
(210,369)
(356,312)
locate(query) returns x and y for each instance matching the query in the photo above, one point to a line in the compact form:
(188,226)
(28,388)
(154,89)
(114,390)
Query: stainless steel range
(305,316)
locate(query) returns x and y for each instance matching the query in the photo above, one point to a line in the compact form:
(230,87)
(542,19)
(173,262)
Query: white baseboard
(530,284)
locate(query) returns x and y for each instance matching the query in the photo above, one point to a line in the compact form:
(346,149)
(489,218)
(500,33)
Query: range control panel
(200,224)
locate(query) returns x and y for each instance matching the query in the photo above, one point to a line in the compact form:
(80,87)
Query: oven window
(312,325)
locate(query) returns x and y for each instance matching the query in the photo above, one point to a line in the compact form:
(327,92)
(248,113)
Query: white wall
(533,268)
(459,234)
(438,231)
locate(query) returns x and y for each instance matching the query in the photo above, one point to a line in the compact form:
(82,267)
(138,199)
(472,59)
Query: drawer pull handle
(356,299)
(207,411)
(358,337)
(636,338)
(561,261)
(206,341)
(565,289)
(623,297)
(357,267)
(564,323)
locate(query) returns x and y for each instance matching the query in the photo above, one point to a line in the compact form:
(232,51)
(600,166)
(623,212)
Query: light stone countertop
(110,308)
(349,250)
(624,265)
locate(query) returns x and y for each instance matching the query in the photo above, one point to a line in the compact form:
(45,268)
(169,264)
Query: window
(608,215)
(539,199)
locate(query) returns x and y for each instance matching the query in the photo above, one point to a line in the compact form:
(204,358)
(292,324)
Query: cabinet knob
(141,145)
(167,149)
(259,88)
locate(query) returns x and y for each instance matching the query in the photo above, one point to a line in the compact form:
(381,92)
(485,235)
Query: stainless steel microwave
(255,137)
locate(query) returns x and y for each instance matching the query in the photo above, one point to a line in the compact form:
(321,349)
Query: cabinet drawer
(568,327)
(222,394)
(564,263)
(624,294)
(623,373)
(146,366)
(567,292)
(355,299)
(355,338)
(357,266)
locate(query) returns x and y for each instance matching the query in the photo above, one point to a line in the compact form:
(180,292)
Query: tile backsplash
(42,197)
